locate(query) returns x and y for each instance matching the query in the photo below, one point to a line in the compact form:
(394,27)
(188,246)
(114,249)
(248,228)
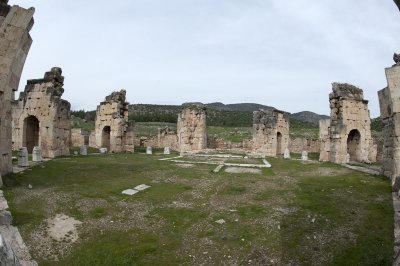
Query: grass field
(291,214)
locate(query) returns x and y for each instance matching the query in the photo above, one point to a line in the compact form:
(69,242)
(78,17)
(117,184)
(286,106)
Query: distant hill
(309,117)
(218,114)
(249,107)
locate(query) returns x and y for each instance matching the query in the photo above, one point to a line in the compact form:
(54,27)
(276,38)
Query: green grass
(289,214)
(150,129)
(233,134)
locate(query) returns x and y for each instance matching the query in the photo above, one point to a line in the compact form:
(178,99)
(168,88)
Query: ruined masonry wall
(389,101)
(349,113)
(42,99)
(325,141)
(266,125)
(15,42)
(113,113)
(191,128)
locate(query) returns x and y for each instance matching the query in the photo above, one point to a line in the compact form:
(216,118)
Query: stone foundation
(15,42)
(41,117)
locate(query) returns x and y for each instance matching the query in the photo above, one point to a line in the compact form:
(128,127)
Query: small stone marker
(133,191)
(141,187)
(23,157)
(286,155)
(167,150)
(221,221)
(149,150)
(75,153)
(103,150)
(83,150)
(304,156)
(219,167)
(37,154)
(130,192)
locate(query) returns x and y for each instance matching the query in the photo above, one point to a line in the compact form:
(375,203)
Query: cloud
(272,52)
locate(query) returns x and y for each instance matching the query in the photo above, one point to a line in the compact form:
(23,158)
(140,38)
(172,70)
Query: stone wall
(41,117)
(191,128)
(15,42)
(112,128)
(325,140)
(350,127)
(299,145)
(389,101)
(79,137)
(270,132)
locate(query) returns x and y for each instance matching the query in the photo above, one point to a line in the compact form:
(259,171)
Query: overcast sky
(280,53)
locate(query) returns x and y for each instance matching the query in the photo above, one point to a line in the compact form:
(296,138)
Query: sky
(279,53)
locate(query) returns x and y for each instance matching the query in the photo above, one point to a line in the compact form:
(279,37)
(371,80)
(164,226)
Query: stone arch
(105,137)
(354,145)
(279,142)
(31,131)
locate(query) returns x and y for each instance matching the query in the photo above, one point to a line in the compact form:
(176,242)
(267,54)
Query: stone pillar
(41,117)
(324,137)
(112,127)
(23,157)
(286,155)
(83,150)
(349,129)
(167,150)
(389,101)
(304,156)
(191,128)
(270,132)
(37,154)
(15,42)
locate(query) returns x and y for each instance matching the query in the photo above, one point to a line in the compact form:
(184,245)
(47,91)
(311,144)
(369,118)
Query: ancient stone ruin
(270,132)
(15,42)
(348,134)
(389,101)
(41,118)
(112,127)
(191,128)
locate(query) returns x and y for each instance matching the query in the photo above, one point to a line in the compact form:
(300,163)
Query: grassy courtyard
(291,214)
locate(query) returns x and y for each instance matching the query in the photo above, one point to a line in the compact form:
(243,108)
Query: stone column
(15,42)
(191,128)
(389,101)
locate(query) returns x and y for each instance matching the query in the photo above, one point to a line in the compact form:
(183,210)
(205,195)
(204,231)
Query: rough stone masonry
(389,101)
(15,42)
(41,118)
(191,128)
(270,132)
(112,128)
(348,134)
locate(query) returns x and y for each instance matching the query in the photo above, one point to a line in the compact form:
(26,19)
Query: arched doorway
(353,145)
(279,143)
(31,133)
(105,137)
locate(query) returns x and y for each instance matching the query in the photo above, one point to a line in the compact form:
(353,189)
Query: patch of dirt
(63,227)
(240,170)
(326,171)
